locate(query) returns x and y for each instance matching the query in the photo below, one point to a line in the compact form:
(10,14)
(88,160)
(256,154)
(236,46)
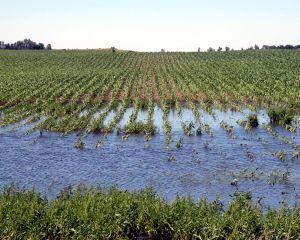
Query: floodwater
(262,163)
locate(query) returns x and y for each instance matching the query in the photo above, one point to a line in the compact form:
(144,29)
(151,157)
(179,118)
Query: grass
(56,87)
(140,128)
(79,144)
(113,214)
(253,121)
(281,116)
(188,128)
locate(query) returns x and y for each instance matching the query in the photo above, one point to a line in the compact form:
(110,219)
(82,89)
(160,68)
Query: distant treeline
(25,44)
(281,47)
(255,47)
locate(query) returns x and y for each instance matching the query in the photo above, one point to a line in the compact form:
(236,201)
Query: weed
(79,144)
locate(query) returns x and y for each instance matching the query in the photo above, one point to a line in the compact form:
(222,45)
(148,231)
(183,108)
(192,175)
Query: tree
(210,49)
(227,49)
(289,47)
(256,47)
(25,44)
(219,49)
(41,46)
(266,47)
(2,45)
(49,47)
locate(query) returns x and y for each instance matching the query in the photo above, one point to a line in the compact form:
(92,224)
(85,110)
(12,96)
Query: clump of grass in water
(281,116)
(281,155)
(179,143)
(79,144)
(252,120)
(99,144)
(277,177)
(295,154)
(171,158)
(188,128)
(140,128)
(199,131)
(228,129)
(207,130)
(112,214)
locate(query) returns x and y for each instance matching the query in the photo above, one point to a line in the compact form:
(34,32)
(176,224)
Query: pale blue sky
(151,25)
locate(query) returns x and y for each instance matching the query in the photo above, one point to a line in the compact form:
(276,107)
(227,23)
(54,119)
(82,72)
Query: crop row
(67,91)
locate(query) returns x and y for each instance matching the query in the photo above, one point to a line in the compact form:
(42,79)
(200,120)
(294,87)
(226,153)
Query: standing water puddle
(263,163)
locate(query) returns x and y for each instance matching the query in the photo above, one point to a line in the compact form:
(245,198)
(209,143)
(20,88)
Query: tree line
(281,47)
(255,47)
(25,44)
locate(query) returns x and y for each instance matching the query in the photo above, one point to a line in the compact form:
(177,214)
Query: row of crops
(67,91)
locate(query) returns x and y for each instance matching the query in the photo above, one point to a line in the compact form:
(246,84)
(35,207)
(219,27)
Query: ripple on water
(203,166)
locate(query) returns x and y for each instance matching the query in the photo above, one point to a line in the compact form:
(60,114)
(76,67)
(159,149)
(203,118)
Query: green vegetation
(79,144)
(140,127)
(252,120)
(66,91)
(25,44)
(114,214)
(281,116)
(188,128)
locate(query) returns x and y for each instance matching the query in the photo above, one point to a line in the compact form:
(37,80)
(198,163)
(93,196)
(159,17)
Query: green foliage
(67,91)
(140,128)
(281,116)
(188,128)
(79,144)
(112,214)
(252,120)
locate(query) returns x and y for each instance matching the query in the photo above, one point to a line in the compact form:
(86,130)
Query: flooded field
(216,163)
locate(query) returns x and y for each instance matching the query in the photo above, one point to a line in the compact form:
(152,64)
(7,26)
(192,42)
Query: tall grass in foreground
(114,214)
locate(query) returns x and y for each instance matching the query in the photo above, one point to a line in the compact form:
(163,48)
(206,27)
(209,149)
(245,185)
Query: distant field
(65,90)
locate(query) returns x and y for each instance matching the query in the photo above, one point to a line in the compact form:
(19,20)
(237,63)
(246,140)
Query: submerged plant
(171,158)
(206,146)
(252,121)
(79,144)
(118,130)
(125,137)
(99,144)
(207,130)
(250,155)
(291,128)
(140,128)
(179,143)
(188,128)
(280,154)
(281,116)
(277,177)
(295,154)
(228,129)
(242,123)
(198,131)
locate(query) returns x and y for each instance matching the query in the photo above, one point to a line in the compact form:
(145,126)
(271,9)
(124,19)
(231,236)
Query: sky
(151,25)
